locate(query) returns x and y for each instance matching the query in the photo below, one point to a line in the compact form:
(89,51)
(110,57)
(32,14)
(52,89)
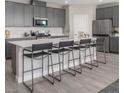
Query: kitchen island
(17,54)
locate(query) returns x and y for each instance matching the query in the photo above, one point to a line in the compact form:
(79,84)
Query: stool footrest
(74,59)
(52,82)
(55,77)
(28,87)
(33,69)
(70,72)
(77,70)
(93,64)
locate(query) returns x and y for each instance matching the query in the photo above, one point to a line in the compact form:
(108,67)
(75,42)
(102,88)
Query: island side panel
(13,58)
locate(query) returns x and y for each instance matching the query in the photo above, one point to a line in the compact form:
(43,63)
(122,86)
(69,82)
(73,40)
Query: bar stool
(64,48)
(100,42)
(42,51)
(83,46)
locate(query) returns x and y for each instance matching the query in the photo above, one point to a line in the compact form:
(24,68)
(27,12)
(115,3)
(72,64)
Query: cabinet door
(28,11)
(95,27)
(114,44)
(61,18)
(56,17)
(40,12)
(99,14)
(37,11)
(116,16)
(108,12)
(9,14)
(106,44)
(43,12)
(19,14)
(50,17)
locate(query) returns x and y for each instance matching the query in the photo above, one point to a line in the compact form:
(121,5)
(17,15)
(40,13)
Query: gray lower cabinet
(116,16)
(9,14)
(106,43)
(39,12)
(28,15)
(50,16)
(114,44)
(19,14)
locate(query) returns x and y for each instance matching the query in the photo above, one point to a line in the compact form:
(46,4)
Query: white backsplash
(18,32)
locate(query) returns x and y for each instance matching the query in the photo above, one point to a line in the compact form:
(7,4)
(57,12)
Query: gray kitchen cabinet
(61,17)
(39,12)
(96,27)
(28,15)
(106,44)
(114,44)
(108,13)
(19,14)
(106,27)
(116,16)
(99,13)
(50,16)
(56,18)
(9,14)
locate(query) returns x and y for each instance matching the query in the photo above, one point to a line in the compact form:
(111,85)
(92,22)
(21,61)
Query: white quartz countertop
(28,43)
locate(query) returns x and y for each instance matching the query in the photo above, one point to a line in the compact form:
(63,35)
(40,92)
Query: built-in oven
(40,22)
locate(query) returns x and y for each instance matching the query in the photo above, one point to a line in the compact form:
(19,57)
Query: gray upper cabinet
(19,14)
(108,13)
(28,17)
(116,16)
(61,17)
(9,14)
(56,18)
(99,14)
(39,12)
(50,16)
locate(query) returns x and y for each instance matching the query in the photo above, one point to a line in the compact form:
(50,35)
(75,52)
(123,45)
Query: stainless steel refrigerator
(102,28)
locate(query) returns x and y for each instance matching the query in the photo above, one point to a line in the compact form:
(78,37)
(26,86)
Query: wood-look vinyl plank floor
(90,81)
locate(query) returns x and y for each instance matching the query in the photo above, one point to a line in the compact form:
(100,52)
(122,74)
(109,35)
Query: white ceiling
(80,2)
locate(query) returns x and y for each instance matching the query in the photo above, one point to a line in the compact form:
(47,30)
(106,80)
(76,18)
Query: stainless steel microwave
(40,22)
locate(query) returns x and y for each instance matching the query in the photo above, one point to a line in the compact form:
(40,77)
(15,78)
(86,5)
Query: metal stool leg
(73,62)
(80,61)
(59,66)
(30,89)
(86,56)
(52,68)
(32,73)
(43,72)
(69,65)
(104,54)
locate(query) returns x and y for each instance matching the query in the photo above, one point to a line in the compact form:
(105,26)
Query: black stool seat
(61,50)
(36,54)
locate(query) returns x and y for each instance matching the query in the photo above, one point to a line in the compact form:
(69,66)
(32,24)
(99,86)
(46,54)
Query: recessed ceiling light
(66,2)
(100,0)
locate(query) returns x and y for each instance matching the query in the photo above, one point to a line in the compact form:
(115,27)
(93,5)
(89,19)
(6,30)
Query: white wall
(83,10)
